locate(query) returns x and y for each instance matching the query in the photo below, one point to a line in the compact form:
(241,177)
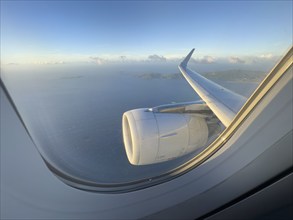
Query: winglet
(186,59)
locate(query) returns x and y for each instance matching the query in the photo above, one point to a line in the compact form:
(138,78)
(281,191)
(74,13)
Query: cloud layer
(157,58)
(204,60)
(235,59)
(98,60)
(260,61)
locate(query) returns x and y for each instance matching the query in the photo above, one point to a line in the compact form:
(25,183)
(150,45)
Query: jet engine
(165,132)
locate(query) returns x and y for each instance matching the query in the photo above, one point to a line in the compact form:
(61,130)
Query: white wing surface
(223,102)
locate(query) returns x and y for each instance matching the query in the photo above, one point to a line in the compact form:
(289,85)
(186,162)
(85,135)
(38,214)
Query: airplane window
(106,119)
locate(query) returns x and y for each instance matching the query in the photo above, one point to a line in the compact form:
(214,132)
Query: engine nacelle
(152,137)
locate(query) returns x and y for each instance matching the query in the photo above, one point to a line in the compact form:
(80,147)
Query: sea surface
(74,115)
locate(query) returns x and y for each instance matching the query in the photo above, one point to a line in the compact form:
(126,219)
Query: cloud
(98,60)
(49,62)
(106,59)
(157,58)
(12,64)
(123,59)
(235,59)
(59,62)
(266,56)
(205,60)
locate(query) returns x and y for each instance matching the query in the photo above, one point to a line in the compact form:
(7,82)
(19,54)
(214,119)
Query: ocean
(74,115)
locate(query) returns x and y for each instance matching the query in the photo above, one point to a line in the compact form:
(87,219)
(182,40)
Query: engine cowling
(151,137)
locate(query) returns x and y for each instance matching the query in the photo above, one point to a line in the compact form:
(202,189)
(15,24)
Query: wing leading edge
(224,103)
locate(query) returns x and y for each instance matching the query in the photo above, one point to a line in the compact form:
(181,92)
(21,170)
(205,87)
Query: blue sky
(39,32)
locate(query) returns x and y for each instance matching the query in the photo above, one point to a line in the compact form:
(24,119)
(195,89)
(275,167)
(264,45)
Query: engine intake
(152,137)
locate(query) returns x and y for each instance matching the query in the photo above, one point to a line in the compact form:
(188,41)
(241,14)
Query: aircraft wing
(224,103)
